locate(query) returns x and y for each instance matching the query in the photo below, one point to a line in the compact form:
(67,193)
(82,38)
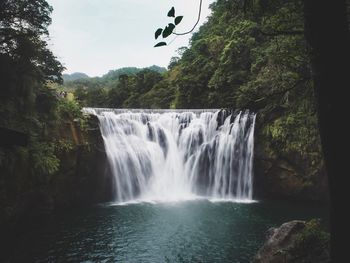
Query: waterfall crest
(169,155)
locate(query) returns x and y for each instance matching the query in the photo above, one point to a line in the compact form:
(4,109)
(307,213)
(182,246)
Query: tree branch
(282,92)
(199,17)
(277,93)
(282,32)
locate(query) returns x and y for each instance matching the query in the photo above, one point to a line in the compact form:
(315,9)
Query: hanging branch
(282,32)
(199,17)
(170,28)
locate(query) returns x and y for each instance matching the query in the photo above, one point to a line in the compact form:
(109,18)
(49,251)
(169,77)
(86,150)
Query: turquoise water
(192,231)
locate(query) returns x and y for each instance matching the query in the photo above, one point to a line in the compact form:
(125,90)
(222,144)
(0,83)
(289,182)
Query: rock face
(84,177)
(282,172)
(279,240)
(295,242)
(279,177)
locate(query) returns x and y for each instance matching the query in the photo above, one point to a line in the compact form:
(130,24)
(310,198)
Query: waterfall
(168,155)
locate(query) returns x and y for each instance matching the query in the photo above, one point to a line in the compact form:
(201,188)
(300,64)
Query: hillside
(114,74)
(74,76)
(107,80)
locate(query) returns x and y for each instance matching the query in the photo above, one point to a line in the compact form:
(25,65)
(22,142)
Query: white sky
(95,36)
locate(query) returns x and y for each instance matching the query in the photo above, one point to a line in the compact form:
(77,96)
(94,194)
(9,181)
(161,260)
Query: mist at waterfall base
(179,155)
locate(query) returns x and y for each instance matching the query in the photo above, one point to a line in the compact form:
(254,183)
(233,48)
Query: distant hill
(110,76)
(157,68)
(75,80)
(74,76)
(114,74)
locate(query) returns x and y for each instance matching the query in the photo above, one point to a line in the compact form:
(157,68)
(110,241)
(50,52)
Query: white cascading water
(169,155)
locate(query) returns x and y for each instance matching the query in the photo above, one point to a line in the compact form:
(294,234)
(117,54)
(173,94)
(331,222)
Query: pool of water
(191,231)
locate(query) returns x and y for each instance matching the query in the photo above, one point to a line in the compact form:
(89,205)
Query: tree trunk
(327,34)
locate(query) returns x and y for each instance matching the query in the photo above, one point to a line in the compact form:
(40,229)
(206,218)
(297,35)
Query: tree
(26,63)
(329,41)
(27,104)
(23,28)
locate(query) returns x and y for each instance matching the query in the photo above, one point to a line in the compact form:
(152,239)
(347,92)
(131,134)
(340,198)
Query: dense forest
(117,88)
(248,55)
(30,111)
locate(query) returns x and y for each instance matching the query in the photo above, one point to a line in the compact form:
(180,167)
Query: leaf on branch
(160,44)
(178,20)
(158,33)
(168,30)
(171,12)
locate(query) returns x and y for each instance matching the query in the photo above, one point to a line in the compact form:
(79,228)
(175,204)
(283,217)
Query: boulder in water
(295,242)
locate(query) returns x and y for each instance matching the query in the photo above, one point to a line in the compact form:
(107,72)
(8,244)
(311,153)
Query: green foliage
(29,101)
(26,64)
(301,140)
(68,109)
(23,26)
(140,84)
(43,159)
(159,97)
(46,100)
(74,76)
(129,90)
(97,97)
(63,145)
(108,81)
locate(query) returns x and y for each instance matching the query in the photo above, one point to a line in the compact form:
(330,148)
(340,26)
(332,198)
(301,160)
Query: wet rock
(279,240)
(295,242)
(163,142)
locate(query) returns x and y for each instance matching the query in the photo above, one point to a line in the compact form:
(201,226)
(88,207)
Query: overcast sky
(95,36)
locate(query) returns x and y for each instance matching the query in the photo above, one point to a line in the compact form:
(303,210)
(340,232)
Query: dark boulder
(295,241)
(278,241)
